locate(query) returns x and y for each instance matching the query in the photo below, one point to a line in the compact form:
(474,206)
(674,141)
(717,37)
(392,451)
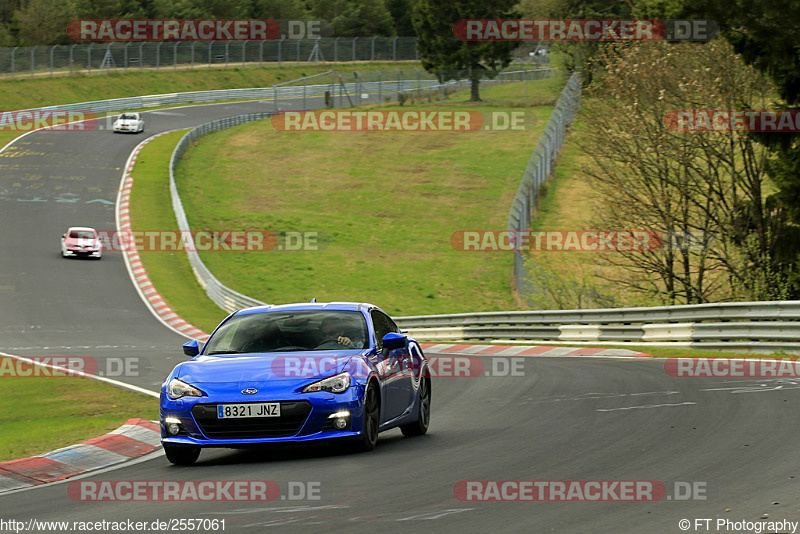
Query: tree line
(44,22)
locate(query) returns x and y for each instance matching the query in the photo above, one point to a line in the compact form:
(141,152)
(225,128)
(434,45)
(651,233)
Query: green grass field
(384,204)
(61,410)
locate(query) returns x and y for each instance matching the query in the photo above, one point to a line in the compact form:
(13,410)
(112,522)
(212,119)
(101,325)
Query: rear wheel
(420,426)
(181,454)
(372,407)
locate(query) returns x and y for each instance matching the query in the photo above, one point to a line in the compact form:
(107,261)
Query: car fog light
(173,429)
(341,423)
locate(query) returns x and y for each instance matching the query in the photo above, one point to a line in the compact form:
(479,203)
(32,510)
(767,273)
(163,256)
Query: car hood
(76,241)
(125,122)
(264,367)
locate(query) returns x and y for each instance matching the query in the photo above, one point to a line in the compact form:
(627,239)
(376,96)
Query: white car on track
(82,242)
(129,123)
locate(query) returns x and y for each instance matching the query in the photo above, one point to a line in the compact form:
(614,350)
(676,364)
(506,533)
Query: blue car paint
(222,379)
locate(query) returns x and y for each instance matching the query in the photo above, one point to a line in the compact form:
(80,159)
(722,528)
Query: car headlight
(178,388)
(335,384)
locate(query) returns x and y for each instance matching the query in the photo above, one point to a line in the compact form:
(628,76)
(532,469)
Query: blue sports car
(295,373)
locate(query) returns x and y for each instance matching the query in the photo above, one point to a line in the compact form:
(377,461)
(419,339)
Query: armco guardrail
(743,326)
(749,326)
(223,296)
(538,170)
(384,84)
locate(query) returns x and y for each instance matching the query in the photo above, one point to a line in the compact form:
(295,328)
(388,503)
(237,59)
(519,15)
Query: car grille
(293,416)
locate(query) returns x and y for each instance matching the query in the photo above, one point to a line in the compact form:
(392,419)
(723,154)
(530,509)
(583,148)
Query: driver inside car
(333,330)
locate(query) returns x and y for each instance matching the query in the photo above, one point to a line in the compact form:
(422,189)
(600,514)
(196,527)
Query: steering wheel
(332,340)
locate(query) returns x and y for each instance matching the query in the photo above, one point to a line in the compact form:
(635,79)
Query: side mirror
(191,348)
(393,340)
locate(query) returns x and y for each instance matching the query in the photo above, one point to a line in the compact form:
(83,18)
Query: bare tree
(703,192)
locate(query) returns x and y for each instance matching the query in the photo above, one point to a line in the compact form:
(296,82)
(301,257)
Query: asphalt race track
(562,419)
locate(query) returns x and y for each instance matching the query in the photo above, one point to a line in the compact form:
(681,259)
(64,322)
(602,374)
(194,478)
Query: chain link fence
(118,56)
(188,54)
(539,168)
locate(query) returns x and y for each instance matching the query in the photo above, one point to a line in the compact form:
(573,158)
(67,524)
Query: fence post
(107,55)
(227,47)
(158,54)
(125,52)
(141,56)
(261,53)
(280,49)
(71,56)
(192,54)
(394,48)
(52,48)
(175,56)
(244,53)
(33,60)
(210,48)
(354,48)
(336,50)
(372,54)
(358,87)
(89,58)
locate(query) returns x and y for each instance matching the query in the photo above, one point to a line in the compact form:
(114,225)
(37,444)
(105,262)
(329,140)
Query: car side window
(383,325)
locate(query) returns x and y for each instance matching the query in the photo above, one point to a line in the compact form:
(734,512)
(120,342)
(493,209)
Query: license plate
(240,411)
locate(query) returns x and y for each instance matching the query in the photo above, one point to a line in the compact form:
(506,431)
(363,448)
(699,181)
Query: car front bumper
(198,426)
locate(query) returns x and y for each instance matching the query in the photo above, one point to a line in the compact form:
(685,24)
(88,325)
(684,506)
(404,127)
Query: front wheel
(181,454)
(420,426)
(370,424)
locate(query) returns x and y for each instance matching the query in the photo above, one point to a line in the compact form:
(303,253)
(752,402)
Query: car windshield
(81,234)
(127,116)
(289,331)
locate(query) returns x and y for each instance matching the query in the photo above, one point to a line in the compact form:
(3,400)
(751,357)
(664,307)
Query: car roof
(309,306)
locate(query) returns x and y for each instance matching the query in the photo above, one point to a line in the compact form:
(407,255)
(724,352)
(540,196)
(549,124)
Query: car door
(394,368)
